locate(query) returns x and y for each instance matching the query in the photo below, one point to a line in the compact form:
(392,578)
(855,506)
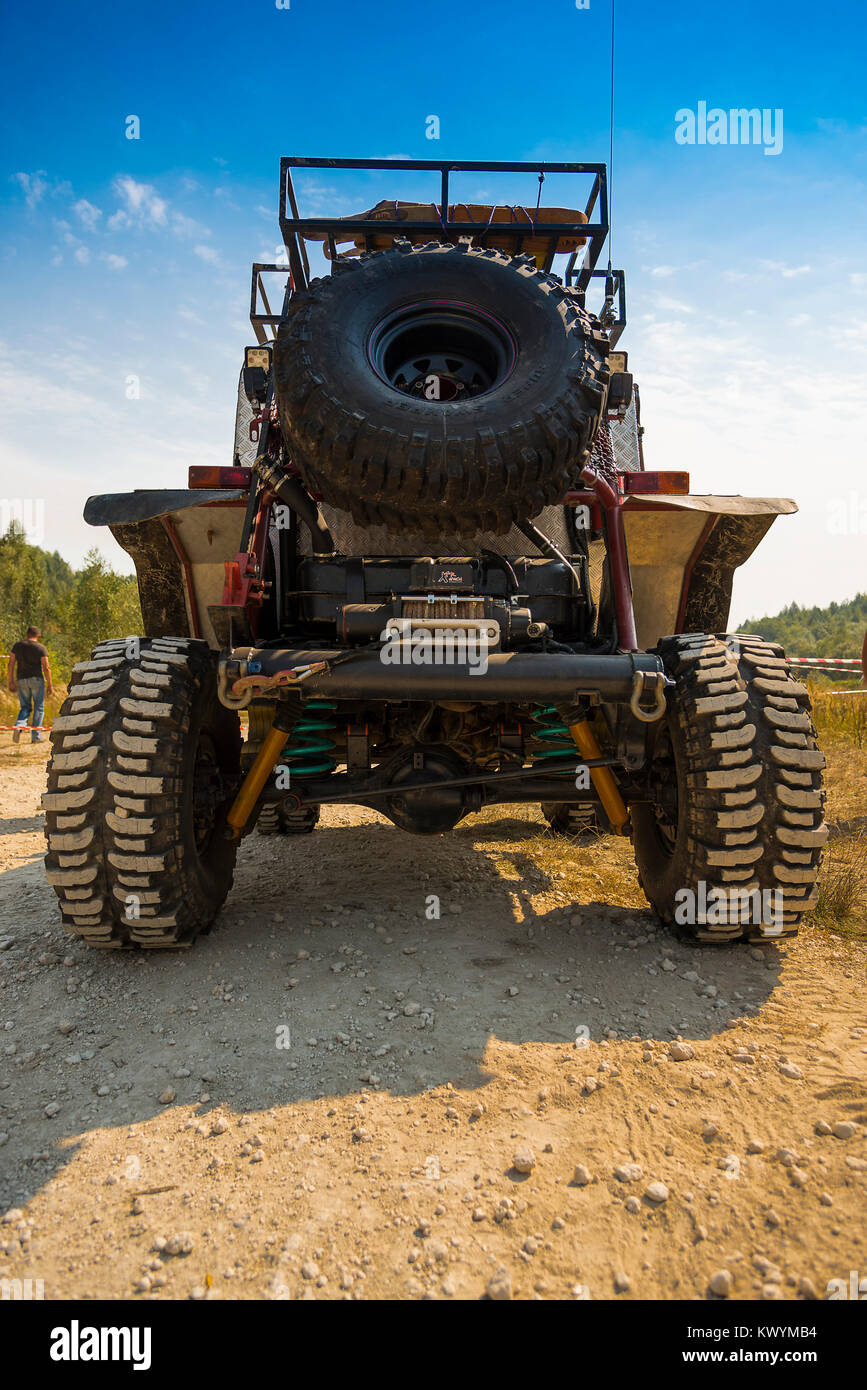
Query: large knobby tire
(528,364)
(144,765)
(737,775)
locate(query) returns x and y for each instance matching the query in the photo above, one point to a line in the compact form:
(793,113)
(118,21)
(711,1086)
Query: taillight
(203,476)
(655,482)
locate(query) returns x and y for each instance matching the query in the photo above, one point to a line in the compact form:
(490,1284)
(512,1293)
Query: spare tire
(450,388)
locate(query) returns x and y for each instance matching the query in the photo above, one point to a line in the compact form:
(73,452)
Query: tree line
(837,630)
(73,608)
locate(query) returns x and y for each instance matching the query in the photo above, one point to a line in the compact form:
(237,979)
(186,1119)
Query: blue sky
(746,272)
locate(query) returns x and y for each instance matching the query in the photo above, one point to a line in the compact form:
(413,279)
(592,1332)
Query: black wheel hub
(442,351)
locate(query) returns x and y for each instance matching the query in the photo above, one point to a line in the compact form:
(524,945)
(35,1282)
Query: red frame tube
(610,501)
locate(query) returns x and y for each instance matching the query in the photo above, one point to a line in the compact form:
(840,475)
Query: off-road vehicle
(436,576)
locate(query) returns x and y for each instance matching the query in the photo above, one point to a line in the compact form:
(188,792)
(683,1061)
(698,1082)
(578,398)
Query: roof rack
(297,230)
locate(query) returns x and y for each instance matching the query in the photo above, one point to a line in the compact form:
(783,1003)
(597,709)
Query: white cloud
(33,186)
(114,262)
(142,205)
(87,213)
(207,254)
(672,306)
(788,272)
(82,255)
(184,226)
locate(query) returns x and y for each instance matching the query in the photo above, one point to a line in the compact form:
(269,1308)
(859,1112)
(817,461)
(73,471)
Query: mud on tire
(144,765)
(737,775)
(530,362)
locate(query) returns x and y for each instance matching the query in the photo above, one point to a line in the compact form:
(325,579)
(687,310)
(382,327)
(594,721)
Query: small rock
(167,1096)
(310,1270)
(582,1176)
(524,1160)
(500,1287)
(179,1244)
(844,1129)
(411,1008)
(656,1192)
(822,1127)
(755,1146)
(478,1214)
(220,1125)
(628,1172)
(621,1283)
(681,1052)
(51,1109)
(792,1070)
(721,1283)
(632,1205)
(807,1289)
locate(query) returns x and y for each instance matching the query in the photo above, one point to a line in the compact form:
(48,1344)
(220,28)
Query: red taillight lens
(201,476)
(655,482)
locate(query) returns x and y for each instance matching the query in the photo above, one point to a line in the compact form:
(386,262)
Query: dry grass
(842,904)
(838,715)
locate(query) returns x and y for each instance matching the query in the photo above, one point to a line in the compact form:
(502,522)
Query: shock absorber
(310,746)
(549,730)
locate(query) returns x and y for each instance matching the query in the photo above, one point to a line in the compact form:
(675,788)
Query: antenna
(611,147)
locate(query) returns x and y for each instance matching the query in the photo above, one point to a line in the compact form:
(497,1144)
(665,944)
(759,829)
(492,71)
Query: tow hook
(644,683)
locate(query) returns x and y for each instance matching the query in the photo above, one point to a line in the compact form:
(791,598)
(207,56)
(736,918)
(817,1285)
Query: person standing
(29,672)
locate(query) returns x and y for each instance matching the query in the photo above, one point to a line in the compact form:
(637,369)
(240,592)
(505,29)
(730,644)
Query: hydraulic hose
(290,491)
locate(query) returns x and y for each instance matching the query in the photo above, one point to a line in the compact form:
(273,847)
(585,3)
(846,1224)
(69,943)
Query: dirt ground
(160,1139)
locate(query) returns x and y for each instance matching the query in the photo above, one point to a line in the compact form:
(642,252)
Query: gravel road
(339,1093)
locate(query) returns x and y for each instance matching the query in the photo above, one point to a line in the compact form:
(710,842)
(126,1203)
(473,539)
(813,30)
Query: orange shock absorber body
(601,777)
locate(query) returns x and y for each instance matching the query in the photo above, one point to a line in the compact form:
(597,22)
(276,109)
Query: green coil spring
(310,745)
(550,729)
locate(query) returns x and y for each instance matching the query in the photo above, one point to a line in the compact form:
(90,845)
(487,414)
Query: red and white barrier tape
(28,728)
(824,660)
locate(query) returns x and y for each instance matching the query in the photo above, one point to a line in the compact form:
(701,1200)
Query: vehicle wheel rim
(442,351)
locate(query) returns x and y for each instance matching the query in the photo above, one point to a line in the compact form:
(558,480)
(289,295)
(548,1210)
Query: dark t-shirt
(28,658)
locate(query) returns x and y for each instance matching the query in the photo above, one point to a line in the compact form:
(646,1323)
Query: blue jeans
(31,698)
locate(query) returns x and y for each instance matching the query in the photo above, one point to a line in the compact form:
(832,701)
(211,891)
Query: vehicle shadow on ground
(381,989)
(21,825)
